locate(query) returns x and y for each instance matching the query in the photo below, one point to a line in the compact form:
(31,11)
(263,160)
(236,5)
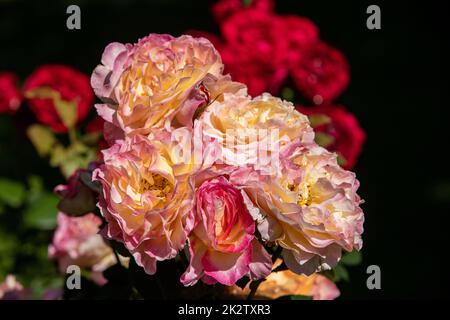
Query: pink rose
(223,247)
(156,82)
(77,242)
(311,209)
(146,199)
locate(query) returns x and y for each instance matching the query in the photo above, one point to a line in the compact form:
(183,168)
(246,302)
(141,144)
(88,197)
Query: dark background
(399,92)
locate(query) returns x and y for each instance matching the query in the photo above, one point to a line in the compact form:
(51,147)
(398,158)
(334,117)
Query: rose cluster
(197,167)
(283,54)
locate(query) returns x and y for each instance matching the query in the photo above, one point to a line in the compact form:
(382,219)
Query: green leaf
(341,273)
(300,297)
(67,111)
(78,156)
(70,159)
(318,120)
(8,250)
(353,258)
(42,138)
(58,155)
(41,214)
(324,139)
(35,183)
(12,193)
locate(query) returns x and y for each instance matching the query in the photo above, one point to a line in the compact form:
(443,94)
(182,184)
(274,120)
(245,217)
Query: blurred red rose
(259,77)
(10,96)
(241,63)
(255,50)
(223,9)
(338,130)
(321,74)
(301,34)
(260,34)
(69,83)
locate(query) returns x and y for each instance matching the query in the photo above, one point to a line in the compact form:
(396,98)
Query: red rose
(10,96)
(259,77)
(321,74)
(255,50)
(260,35)
(71,84)
(302,34)
(223,9)
(339,130)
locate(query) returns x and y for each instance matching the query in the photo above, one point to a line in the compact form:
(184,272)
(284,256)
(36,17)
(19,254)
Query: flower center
(156,182)
(303,191)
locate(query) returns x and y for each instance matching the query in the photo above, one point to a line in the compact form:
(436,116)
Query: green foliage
(324,139)
(353,258)
(25,232)
(12,193)
(42,138)
(318,120)
(77,155)
(8,246)
(340,273)
(41,214)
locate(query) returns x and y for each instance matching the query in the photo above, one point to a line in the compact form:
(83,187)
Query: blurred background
(398,91)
